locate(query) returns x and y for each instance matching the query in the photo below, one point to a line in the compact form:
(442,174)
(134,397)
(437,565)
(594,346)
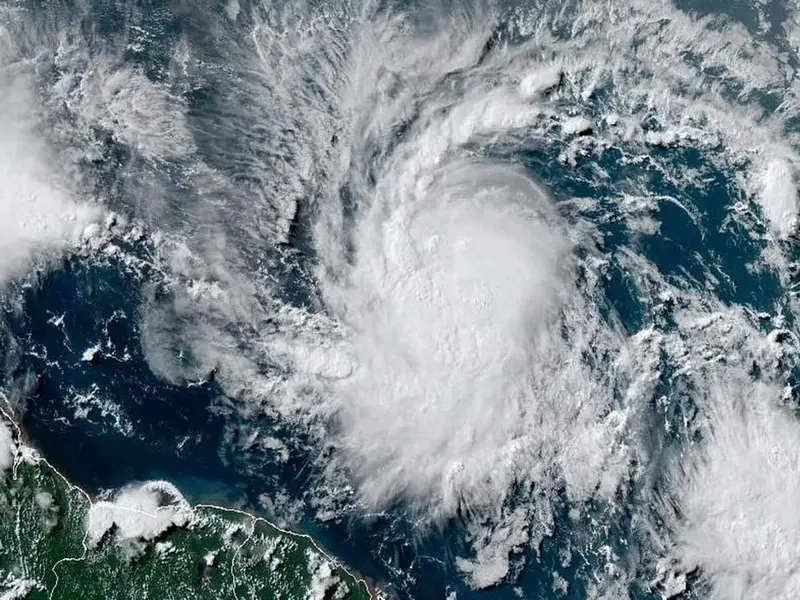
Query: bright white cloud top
(738,498)
(138,514)
(779,197)
(463,333)
(38,212)
(451,303)
(8,447)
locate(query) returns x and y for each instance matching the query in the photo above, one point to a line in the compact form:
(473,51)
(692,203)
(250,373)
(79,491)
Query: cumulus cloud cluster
(779,197)
(737,495)
(471,353)
(8,447)
(469,332)
(38,211)
(461,349)
(138,514)
(451,303)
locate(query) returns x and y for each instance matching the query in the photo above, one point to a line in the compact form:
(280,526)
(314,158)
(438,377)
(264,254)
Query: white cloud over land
(138,514)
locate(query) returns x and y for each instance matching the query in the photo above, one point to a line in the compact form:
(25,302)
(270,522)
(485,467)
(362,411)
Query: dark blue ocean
(100,303)
(191,434)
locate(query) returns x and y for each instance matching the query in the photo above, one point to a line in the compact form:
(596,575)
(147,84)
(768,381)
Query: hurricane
(489,297)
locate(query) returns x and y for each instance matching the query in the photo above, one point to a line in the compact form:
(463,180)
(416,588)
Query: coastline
(23,451)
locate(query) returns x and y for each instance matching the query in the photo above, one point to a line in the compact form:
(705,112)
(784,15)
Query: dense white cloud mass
(38,212)
(459,201)
(468,332)
(779,197)
(737,498)
(138,514)
(465,354)
(8,447)
(452,303)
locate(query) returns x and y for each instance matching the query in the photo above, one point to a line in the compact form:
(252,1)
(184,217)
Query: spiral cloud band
(479,265)
(450,300)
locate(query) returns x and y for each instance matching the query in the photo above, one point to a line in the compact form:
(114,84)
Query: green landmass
(216,554)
